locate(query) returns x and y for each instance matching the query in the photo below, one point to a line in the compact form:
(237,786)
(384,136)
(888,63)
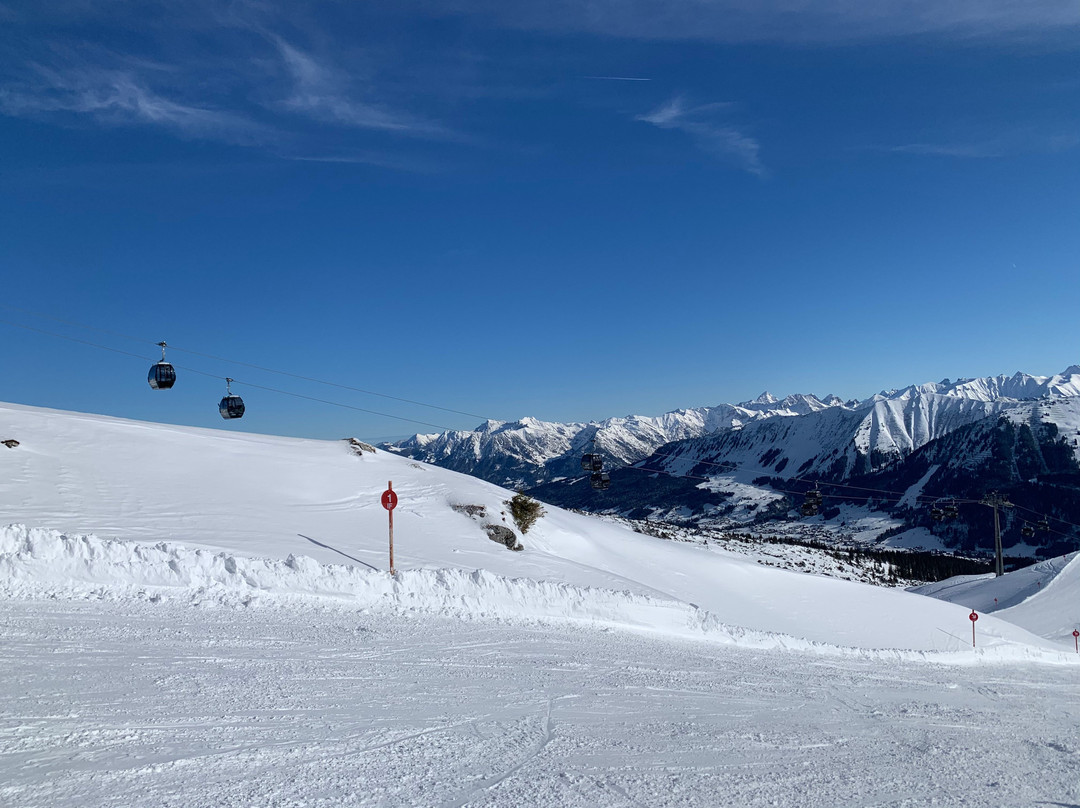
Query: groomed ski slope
(249,501)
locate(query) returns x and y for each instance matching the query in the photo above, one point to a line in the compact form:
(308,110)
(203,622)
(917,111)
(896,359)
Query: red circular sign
(973,617)
(1076,633)
(389,499)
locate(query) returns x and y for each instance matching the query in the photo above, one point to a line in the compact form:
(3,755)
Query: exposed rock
(359,446)
(11,444)
(503,535)
(475,511)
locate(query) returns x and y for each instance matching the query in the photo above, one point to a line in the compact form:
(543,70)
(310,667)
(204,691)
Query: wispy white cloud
(265,92)
(1003,145)
(119,97)
(775,20)
(322,93)
(705,125)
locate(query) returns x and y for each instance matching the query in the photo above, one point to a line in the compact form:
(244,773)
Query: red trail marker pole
(1076,640)
(973,617)
(389,501)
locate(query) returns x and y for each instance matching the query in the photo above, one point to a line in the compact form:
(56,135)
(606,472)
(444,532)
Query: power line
(728,466)
(235,362)
(237,381)
(77,340)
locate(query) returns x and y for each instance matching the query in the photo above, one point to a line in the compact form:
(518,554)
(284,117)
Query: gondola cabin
(592,462)
(600,480)
(162,376)
(231,406)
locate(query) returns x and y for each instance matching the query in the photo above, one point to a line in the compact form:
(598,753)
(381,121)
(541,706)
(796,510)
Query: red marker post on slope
(1076,640)
(973,617)
(389,501)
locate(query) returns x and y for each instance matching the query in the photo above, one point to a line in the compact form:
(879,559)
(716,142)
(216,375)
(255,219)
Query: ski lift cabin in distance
(812,502)
(592,462)
(231,406)
(162,376)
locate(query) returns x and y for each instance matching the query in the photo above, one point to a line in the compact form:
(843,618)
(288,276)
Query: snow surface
(199,651)
(1042,597)
(132,703)
(274,498)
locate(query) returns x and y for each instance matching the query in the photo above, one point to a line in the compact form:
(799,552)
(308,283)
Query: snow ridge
(37,563)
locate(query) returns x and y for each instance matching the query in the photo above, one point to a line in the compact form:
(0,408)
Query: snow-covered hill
(1041,597)
(156,495)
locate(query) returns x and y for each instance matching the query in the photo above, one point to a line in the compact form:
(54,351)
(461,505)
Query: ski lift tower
(995,500)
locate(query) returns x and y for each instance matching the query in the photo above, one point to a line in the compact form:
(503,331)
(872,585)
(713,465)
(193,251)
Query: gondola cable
(262,368)
(237,381)
(159,378)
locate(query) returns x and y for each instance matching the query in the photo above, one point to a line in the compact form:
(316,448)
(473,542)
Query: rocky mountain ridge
(799,434)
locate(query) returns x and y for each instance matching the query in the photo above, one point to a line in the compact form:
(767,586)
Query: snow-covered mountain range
(800,434)
(529,451)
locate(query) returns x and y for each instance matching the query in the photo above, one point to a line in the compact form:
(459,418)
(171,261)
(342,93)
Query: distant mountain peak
(765,398)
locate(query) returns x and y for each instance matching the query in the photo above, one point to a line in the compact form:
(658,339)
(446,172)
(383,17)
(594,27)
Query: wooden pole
(390,487)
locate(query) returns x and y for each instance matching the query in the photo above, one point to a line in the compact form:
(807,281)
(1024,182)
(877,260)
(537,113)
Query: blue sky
(555,209)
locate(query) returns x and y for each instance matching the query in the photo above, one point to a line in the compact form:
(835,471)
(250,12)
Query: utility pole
(995,500)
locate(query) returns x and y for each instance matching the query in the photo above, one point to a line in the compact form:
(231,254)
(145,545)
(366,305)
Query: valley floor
(135,703)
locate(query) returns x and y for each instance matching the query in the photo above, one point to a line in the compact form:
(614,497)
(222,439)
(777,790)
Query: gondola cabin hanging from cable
(231,406)
(600,480)
(162,376)
(592,462)
(812,503)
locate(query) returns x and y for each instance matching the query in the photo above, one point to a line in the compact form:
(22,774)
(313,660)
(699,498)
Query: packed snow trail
(135,703)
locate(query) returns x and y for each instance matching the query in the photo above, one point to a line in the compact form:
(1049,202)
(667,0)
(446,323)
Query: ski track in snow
(134,703)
